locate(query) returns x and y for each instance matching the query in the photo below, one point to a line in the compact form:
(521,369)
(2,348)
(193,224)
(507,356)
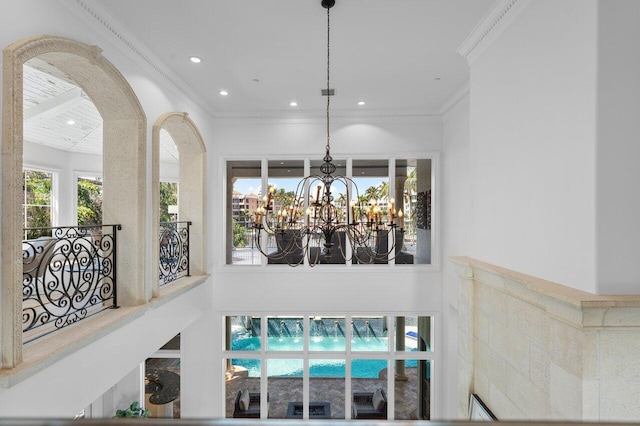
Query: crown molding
(496,20)
(108,26)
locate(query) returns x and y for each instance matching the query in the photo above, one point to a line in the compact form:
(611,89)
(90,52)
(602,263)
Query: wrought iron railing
(174,251)
(67,275)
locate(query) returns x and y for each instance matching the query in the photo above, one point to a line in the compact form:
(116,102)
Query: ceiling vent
(328,92)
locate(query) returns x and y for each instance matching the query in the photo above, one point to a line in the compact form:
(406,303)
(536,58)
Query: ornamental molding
(497,19)
(107,26)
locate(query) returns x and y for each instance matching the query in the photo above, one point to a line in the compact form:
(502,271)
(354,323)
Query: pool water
(360,368)
(335,344)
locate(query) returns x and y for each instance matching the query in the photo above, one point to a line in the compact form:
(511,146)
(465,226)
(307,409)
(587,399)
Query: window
(89,200)
(37,202)
(398,186)
(320,357)
(168,201)
(243,197)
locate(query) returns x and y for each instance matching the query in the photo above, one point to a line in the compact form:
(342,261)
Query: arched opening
(191,186)
(124,169)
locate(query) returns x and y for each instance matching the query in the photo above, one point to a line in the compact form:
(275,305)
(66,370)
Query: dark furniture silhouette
(364,407)
(317,410)
(252,411)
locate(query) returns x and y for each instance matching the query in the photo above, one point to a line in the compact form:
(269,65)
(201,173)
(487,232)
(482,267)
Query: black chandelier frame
(310,228)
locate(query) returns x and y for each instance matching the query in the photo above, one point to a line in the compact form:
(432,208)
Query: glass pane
(285,387)
(168,201)
(369,334)
(369,385)
(327,334)
(162,387)
(371,178)
(424,370)
(337,251)
(284,334)
(326,388)
(36,207)
(242,333)
(413,193)
(284,179)
(242,388)
(244,190)
(413,334)
(90,200)
(406,390)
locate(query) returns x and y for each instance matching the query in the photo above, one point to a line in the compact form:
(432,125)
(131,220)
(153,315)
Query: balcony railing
(67,275)
(174,251)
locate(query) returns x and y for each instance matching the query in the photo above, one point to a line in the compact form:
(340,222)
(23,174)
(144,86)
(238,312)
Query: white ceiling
(387,53)
(398,56)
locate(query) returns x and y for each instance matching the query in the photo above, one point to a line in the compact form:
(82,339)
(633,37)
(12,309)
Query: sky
(248,186)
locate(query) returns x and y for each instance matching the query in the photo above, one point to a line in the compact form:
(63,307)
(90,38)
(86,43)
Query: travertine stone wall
(537,350)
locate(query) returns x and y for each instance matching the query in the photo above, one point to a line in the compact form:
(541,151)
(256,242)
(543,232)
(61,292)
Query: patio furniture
(247,405)
(369,405)
(317,410)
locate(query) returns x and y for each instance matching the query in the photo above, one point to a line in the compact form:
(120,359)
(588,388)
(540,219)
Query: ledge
(49,349)
(580,308)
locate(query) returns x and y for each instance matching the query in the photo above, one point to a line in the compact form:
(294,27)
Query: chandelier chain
(328,86)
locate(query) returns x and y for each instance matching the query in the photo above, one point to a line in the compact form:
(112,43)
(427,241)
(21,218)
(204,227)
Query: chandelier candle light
(321,230)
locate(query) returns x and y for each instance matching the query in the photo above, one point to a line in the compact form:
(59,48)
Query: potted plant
(134,411)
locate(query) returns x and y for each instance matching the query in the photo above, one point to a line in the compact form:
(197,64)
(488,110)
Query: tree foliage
(168,197)
(89,202)
(239,235)
(37,207)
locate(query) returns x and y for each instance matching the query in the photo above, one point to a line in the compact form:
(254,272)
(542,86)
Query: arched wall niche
(124,170)
(191,188)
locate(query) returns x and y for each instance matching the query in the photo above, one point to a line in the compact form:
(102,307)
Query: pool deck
(285,390)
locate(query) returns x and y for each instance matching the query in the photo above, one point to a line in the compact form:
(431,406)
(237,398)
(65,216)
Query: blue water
(335,344)
(360,368)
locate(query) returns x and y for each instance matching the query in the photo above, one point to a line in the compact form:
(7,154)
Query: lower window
(310,362)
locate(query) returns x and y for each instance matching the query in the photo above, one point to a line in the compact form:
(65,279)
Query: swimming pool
(360,368)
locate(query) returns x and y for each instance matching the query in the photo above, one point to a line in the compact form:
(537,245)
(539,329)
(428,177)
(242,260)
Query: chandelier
(314,226)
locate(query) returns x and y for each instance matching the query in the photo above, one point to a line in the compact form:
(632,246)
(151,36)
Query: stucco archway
(124,169)
(191,189)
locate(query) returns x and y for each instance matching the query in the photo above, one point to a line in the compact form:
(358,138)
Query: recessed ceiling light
(293,103)
(71,122)
(362,173)
(281,163)
(223,93)
(195,59)
(361,103)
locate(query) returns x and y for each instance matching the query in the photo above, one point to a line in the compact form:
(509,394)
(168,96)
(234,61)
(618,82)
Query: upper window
(37,203)
(389,194)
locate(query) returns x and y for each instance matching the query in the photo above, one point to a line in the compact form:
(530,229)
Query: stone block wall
(537,350)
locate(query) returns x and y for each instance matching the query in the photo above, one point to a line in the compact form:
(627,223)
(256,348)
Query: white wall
(361,290)
(324,289)
(71,384)
(533,145)
(618,150)
(456,202)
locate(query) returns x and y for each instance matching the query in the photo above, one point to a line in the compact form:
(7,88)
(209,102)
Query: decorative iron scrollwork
(67,276)
(174,251)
